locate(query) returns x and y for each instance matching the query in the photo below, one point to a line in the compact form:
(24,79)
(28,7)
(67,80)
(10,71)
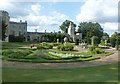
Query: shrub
(44,45)
(56,44)
(96,50)
(112,41)
(91,48)
(96,40)
(67,47)
(16,53)
(117,42)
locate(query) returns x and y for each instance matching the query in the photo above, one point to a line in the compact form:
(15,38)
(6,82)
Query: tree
(89,29)
(4,27)
(96,41)
(112,41)
(64,26)
(104,38)
(115,40)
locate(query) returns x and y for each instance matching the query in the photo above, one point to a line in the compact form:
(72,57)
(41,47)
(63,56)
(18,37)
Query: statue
(57,40)
(65,40)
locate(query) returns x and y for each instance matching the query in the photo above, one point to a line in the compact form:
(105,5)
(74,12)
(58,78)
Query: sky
(49,14)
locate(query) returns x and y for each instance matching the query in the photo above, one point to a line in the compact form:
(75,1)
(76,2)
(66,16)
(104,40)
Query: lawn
(13,45)
(103,73)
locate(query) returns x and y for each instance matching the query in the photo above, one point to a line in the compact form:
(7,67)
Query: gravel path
(104,60)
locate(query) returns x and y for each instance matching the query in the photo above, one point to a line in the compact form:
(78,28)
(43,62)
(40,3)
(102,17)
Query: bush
(16,53)
(91,48)
(56,44)
(96,50)
(67,47)
(96,40)
(44,45)
(112,41)
(117,42)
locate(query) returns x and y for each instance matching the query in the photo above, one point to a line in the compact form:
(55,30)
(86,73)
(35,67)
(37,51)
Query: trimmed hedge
(67,47)
(44,45)
(16,53)
(96,50)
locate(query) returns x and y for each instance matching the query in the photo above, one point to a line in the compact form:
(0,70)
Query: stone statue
(65,40)
(57,40)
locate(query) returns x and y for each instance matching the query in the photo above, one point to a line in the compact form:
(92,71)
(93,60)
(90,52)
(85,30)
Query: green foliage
(15,53)
(91,48)
(65,25)
(90,29)
(44,45)
(52,37)
(112,41)
(117,42)
(96,50)
(56,44)
(96,40)
(67,47)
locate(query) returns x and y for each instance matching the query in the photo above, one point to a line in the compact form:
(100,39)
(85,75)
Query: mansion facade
(20,28)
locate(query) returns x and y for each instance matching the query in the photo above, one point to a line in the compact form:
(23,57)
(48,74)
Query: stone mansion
(20,28)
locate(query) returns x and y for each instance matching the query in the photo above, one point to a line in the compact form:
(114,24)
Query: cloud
(32,13)
(36,8)
(108,26)
(99,11)
(103,11)
(36,20)
(14,9)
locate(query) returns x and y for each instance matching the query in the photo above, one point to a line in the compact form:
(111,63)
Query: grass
(16,54)
(13,45)
(103,73)
(43,56)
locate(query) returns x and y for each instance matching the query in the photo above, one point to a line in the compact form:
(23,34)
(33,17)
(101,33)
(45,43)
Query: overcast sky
(49,14)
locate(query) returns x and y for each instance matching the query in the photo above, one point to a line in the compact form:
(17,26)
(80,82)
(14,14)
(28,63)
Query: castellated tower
(4,16)
(71,30)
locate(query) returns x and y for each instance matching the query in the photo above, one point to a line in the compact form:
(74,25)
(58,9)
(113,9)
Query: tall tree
(90,29)
(115,39)
(64,26)
(105,36)
(4,27)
